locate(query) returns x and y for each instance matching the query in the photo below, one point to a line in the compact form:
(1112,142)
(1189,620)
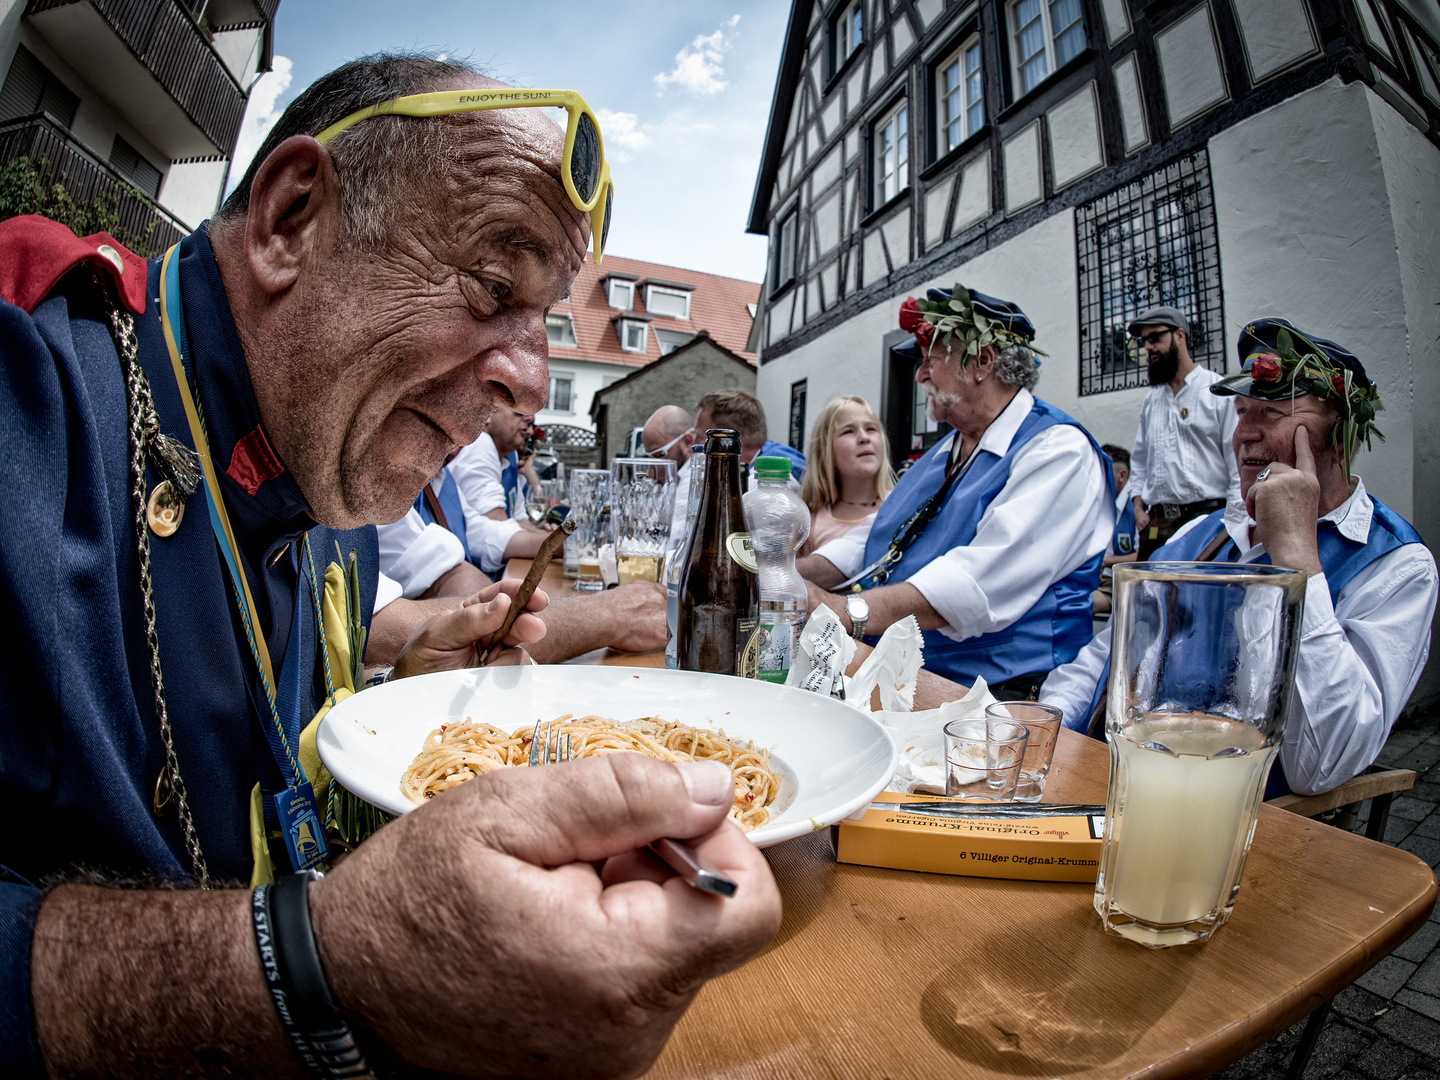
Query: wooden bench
(1375,783)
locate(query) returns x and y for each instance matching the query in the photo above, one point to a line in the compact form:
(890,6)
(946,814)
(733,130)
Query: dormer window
(671,303)
(560,330)
(632,335)
(622,294)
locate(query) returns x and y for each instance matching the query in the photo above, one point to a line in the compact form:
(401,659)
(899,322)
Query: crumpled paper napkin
(825,651)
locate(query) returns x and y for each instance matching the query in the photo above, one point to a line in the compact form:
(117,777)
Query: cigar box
(1027,841)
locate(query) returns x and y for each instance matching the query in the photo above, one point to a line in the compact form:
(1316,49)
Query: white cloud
(699,66)
(261,112)
(623,134)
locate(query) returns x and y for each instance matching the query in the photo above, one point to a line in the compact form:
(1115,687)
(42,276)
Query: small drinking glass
(589,490)
(642,500)
(1043,724)
(982,759)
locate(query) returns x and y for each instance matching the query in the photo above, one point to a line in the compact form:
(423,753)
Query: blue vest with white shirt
(1059,623)
(1340,557)
(449,499)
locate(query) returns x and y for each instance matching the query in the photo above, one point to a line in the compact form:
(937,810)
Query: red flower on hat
(1265,368)
(539,434)
(1338,381)
(912,321)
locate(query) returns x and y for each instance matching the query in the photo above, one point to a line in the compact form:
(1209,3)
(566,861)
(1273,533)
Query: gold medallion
(1184,414)
(164,510)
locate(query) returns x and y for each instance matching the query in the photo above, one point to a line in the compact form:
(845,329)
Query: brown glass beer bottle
(719,593)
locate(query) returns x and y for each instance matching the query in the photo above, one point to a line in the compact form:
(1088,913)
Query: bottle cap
(772,468)
(722,441)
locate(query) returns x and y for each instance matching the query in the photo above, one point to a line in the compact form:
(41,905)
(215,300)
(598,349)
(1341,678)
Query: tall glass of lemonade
(1202,665)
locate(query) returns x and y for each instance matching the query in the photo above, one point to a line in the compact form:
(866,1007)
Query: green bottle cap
(772,468)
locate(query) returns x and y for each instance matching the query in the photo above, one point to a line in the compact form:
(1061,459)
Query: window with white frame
(960,96)
(562,393)
(1045,36)
(622,294)
(672,303)
(847,33)
(560,330)
(891,139)
(670,340)
(785,249)
(632,335)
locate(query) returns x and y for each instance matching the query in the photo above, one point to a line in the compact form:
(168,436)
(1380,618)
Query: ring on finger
(1262,474)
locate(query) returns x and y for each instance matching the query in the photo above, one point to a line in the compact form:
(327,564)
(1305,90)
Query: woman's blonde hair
(822,483)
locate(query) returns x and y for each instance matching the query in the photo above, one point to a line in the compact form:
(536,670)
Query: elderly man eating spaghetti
(200,447)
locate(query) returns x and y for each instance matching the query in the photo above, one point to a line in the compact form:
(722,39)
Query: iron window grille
(797,414)
(1149,242)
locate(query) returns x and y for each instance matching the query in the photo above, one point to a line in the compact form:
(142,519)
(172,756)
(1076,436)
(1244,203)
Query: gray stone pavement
(1387,1025)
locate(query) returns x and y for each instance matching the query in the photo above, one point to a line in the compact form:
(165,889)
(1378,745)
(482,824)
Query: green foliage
(23,192)
(957,318)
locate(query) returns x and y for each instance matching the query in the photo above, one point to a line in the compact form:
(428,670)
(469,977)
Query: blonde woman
(849,473)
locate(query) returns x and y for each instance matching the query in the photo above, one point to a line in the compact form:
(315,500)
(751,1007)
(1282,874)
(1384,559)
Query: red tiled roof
(717,304)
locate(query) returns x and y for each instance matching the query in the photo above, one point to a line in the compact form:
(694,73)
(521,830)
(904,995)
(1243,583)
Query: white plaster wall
(1411,165)
(239,51)
(191,191)
(1306,233)
(589,377)
(10,12)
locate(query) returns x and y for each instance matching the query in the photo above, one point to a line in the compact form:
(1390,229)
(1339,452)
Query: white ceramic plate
(832,758)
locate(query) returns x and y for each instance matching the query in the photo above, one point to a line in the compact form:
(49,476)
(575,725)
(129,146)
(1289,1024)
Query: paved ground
(1387,1025)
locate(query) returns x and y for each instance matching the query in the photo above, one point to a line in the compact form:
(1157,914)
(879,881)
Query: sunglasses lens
(585,158)
(605,223)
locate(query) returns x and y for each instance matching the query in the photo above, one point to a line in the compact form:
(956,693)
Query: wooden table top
(887,973)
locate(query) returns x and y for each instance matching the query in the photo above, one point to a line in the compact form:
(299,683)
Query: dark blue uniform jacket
(80,748)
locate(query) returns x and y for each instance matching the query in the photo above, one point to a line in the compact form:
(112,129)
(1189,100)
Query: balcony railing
(59,159)
(167,42)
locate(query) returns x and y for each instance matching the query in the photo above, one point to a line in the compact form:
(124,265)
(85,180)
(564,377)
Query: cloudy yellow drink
(1184,792)
(637,568)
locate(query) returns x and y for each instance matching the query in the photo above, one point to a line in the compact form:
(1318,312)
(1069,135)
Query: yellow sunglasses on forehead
(583,170)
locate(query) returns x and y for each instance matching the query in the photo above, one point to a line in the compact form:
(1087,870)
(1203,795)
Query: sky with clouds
(682,91)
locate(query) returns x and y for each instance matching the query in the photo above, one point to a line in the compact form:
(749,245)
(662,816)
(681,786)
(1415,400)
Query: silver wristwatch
(859,611)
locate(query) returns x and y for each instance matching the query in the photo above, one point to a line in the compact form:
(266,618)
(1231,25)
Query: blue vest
(509,483)
(1341,558)
(449,500)
(1125,539)
(771,448)
(1059,624)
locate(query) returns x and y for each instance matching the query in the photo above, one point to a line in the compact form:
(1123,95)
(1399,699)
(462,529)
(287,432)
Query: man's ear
(294,206)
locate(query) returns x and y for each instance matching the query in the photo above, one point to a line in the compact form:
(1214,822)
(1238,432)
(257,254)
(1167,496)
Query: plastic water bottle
(679,554)
(779,523)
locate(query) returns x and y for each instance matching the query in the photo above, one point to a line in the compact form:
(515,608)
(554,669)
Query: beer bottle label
(747,646)
(742,551)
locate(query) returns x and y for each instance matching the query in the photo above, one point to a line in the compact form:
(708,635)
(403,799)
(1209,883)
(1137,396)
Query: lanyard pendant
(300,826)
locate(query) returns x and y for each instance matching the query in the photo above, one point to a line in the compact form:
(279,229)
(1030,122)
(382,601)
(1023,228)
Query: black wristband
(296,981)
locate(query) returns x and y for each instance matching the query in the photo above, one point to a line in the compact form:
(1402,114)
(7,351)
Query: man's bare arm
(461,580)
(888,604)
(630,618)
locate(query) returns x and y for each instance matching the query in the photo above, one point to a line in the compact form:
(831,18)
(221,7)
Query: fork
(680,857)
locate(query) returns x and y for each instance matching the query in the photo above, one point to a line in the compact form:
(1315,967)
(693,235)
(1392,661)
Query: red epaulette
(35,253)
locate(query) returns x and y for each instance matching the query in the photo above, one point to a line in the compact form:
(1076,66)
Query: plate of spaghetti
(799,761)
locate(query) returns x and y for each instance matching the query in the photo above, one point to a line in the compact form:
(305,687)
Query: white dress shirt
(1182,451)
(386,590)
(414,553)
(477,470)
(1359,660)
(1053,514)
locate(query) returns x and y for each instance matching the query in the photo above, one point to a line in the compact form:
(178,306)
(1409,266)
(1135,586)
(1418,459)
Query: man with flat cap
(1304,405)
(994,539)
(1181,466)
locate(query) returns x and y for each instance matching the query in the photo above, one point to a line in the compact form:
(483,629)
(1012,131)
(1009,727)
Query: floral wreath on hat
(957,316)
(1308,370)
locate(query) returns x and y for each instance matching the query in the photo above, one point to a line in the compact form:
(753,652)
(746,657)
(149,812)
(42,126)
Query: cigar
(529,585)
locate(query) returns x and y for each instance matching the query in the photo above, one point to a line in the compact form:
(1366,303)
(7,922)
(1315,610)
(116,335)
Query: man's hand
(459,637)
(1142,517)
(457,934)
(1285,506)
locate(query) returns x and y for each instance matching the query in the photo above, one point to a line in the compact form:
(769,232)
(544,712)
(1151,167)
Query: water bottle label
(742,550)
(777,650)
(747,648)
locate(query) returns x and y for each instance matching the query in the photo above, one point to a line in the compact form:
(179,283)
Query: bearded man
(191,440)
(1181,466)
(994,539)
(1303,406)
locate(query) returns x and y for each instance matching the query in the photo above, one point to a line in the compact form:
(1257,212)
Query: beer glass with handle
(1202,667)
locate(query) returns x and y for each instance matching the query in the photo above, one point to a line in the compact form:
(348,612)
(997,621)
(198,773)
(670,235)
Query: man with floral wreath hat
(1304,406)
(994,539)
